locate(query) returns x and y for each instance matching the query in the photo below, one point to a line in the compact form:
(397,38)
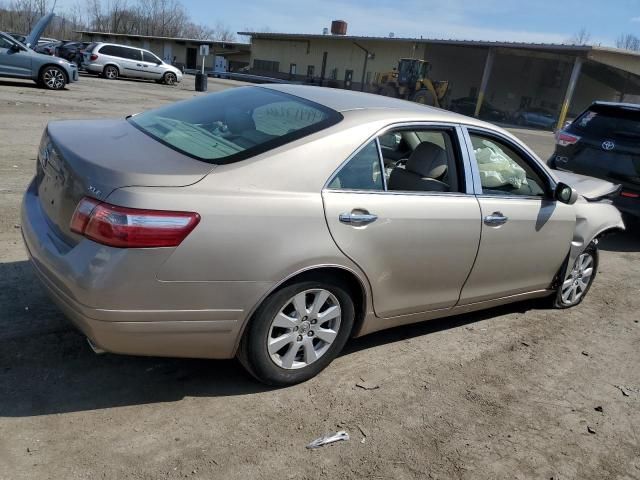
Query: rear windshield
(234,124)
(609,122)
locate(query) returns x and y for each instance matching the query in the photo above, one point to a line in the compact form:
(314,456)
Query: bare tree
(166,18)
(628,41)
(582,37)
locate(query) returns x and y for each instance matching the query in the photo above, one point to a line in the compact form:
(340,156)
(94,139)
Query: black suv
(604,142)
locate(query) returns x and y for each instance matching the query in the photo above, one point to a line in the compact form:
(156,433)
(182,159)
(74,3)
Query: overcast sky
(506,20)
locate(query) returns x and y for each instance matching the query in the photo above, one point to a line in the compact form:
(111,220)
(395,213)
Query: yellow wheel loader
(410,81)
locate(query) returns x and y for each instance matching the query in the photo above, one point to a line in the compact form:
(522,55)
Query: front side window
(503,171)
(149,57)
(234,124)
(362,172)
(4,43)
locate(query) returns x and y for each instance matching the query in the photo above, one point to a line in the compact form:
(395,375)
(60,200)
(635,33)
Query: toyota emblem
(608,145)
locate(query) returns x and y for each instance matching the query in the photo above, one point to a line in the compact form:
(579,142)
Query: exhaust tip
(97,350)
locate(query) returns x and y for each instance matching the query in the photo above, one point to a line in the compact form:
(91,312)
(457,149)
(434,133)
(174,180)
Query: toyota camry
(273,223)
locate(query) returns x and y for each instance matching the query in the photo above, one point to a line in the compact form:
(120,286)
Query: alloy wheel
(578,280)
(111,73)
(170,78)
(53,79)
(304,329)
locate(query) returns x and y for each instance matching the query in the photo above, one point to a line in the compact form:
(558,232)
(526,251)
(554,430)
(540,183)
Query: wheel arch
(111,64)
(64,72)
(354,281)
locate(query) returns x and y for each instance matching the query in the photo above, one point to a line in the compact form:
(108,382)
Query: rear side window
(122,52)
(608,121)
(234,124)
(362,172)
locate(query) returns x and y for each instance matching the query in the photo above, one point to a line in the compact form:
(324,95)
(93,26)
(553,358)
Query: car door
(14,62)
(415,239)
(526,233)
(131,60)
(152,66)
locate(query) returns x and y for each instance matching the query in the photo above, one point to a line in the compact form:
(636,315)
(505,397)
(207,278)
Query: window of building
(266,65)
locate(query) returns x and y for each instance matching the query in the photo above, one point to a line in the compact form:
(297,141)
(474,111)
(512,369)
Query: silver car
(19,60)
(113,61)
(274,222)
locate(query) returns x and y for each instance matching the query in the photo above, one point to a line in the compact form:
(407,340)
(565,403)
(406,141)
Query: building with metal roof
(534,84)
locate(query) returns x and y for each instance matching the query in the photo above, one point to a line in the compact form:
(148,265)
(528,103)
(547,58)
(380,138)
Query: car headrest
(238,120)
(428,160)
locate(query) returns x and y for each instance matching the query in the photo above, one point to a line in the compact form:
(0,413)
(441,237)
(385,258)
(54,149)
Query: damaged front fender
(592,220)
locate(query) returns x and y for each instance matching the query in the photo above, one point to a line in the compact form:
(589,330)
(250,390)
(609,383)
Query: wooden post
(486,74)
(573,80)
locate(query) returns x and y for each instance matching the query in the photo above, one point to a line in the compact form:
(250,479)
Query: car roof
(377,105)
(626,106)
(119,45)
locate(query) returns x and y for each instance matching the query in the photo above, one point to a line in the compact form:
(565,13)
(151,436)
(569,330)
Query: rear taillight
(93,57)
(124,227)
(565,139)
(625,193)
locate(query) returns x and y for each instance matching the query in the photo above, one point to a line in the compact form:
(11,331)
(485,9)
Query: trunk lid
(93,158)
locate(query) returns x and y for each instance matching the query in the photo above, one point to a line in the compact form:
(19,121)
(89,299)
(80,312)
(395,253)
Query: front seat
(424,172)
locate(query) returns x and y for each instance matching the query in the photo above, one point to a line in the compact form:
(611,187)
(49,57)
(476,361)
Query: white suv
(113,61)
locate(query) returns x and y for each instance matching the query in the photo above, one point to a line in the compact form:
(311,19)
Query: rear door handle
(495,219)
(357,219)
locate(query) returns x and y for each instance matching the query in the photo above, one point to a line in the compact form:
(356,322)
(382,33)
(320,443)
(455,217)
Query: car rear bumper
(77,278)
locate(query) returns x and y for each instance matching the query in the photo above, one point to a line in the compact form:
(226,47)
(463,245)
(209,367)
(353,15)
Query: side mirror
(566,194)
(15,47)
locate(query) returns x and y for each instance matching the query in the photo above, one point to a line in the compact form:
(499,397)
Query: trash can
(201,82)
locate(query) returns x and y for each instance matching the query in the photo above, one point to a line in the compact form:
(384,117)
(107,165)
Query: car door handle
(495,219)
(357,219)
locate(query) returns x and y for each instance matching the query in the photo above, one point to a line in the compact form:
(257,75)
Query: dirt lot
(508,393)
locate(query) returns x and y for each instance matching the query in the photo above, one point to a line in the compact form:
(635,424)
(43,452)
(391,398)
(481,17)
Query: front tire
(424,97)
(297,332)
(170,78)
(52,78)
(575,281)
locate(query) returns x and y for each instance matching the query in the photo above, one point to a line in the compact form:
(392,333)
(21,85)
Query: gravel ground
(517,392)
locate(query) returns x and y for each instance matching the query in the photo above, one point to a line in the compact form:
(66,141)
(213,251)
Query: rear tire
(52,78)
(574,282)
(424,97)
(110,72)
(297,332)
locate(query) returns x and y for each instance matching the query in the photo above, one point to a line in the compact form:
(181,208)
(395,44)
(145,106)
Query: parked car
(604,142)
(467,106)
(113,61)
(72,51)
(18,60)
(266,222)
(535,117)
(50,48)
